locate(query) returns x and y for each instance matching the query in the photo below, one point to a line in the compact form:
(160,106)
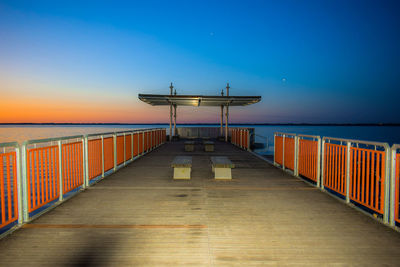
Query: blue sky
(311,61)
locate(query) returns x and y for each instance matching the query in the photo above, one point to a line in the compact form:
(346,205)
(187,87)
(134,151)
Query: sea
(264,133)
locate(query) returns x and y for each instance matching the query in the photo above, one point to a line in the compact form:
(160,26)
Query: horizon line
(203,123)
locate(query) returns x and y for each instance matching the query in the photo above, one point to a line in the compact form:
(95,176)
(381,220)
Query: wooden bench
(221,167)
(182,167)
(208,146)
(189,146)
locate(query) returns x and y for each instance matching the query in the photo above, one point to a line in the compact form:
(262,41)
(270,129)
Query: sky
(310,61)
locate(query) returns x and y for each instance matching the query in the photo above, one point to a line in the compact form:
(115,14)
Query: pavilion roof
(198,100)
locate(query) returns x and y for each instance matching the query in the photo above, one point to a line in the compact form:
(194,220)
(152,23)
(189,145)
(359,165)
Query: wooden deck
(140,216)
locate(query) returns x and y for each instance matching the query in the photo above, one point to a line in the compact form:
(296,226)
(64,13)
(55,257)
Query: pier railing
(356,171)
(240,137)
(40,174)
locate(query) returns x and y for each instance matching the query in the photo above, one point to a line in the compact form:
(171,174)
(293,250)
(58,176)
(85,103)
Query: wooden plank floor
(140,216)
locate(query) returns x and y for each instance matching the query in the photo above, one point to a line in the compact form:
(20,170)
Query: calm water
(390,134)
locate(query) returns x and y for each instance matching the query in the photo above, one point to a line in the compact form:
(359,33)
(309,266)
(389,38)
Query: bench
(189,146)
(208,146)
(182,167)
(221,167)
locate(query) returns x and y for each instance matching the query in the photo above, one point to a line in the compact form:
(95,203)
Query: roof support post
(222,121)
(170,122)
(227,114)
(170,115)
(175,133)
(226,123)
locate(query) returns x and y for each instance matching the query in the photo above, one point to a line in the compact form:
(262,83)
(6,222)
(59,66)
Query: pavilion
(173,100)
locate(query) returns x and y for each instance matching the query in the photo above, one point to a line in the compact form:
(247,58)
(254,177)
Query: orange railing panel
(308,158)
(147,143)
(8,189)
(289,152)
(128,147)
(148,140)
(367,178)
(153,133)
(335,167)
(120,149)
(144,141)
(141,145)
(94,158)
(108,153)
(72,166)
(241,138)
(246,139)
(397,189)
(278,154)
(42,176)
(135,144)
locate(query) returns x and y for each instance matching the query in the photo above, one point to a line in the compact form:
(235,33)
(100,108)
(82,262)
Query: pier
(139,215)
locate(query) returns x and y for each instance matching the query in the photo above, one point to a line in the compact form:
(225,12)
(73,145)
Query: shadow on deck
(140,216)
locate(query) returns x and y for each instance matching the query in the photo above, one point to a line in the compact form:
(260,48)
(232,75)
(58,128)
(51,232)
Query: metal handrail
(309,136)
(382,144)
(286,134)
(46,140)
(9,144)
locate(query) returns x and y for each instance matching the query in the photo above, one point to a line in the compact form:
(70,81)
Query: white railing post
(131,145)
(319,162)
(61,186)
(348,172)
(85,162)
(19,185)
(386,200)
(102,156)
(393,185)
(23,214)
(115,151)
(323,163)
(138,144)
(124,149)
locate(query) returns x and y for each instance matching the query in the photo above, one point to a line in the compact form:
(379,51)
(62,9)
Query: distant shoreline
(255,124)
